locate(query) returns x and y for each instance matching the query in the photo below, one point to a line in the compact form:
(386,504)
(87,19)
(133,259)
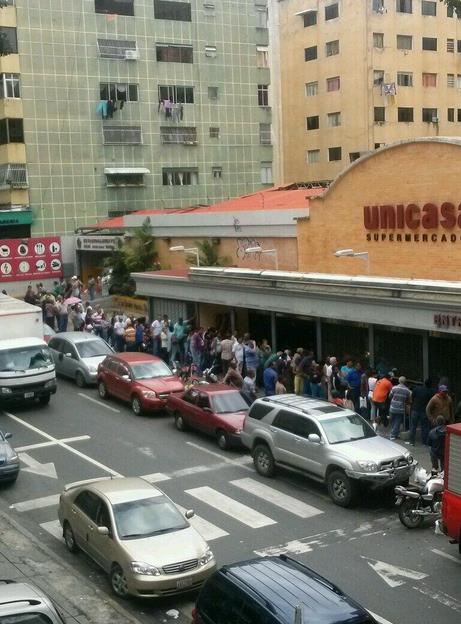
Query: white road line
(53,528)
(207,530)
(36,503)
(85,396)
(439,596)
(378,618)
(71,449)
(223,458)
(184,472)
(156,477)
(31,447)
(277,498)
(229,506)
(441,553)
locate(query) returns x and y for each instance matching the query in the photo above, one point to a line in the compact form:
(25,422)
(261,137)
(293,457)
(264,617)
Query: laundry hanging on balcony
(107,108)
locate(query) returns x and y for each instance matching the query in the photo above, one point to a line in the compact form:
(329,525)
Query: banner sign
(26,259)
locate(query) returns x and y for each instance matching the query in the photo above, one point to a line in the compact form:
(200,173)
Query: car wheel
(80,379)
(223,440)
(69,538)
(118,581)
(340,488)
(136,405)
(102,390)
(44,400)
(179,422)
(263,460)
(407,516)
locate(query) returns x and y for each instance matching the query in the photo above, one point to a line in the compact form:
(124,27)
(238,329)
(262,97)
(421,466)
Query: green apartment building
(111,106)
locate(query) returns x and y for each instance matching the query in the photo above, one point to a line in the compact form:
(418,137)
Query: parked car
(137,535)
(328,443)
(48,333)
(274,590)
(77,355)
(215,409)
(23,603)
(9,460)
(141,379)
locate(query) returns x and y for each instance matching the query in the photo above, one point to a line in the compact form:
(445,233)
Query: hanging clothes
(101,109)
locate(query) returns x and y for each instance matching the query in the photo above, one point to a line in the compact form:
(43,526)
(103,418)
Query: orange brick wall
(419,173)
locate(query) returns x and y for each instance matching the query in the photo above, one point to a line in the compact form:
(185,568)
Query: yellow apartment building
(356,75)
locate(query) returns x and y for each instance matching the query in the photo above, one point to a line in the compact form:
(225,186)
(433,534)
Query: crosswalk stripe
(156,477)
(277,498)
(207,530)
(229,506)
(53,527)
(37,503)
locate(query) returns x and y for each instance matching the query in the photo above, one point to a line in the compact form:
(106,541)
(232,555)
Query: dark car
(274,590)
(141,379)
(214,409)
(9,460)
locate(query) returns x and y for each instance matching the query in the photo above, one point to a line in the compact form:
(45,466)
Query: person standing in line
(305,367)
(119,333)
(297,375)
(139,335)
(422,394)
(30,296)
(400,397)
(233,377)
(249,386)
(156,330)
(371,382)
(62,314)
(251,356)
(333,375)
(380,394)
(238,353)
(436,439)
(165,342)
(270,378)
(91,288)
(354,381)
(347,368)
(197,345)
(316,381)
(280,387)
(226,352)
(130,336)
(440,404)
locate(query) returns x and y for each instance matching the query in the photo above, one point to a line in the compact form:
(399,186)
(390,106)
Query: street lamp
(188,250)
(350,253)
(272,252)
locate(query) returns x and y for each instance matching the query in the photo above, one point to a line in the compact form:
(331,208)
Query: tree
(209,254)
(454,4)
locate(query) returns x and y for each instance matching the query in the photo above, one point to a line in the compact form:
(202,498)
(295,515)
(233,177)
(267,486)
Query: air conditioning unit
(435,120)
(131,55)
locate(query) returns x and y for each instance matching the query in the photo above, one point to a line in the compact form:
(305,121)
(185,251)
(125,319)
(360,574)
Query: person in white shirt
(238,352)
(119,332)
(156,329)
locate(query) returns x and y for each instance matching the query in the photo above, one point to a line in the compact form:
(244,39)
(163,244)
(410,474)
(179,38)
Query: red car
(143,380)
(214,409)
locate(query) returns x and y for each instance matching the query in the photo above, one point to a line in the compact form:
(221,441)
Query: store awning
(126,170)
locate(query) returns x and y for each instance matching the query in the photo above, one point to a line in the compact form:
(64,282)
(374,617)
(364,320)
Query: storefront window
(345,341)
(294,332)
(402,350)
(445,361)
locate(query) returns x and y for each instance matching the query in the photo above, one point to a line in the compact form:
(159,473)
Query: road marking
(242,461)
(279,499)
(441,597)
(303,545)
(53,528)
(36,503)
(88,398)
(71,449)
(229,506)
(31,447)
(378,618)
(441,553)
(391,574)
(207,530)
(35,467)
(156,477)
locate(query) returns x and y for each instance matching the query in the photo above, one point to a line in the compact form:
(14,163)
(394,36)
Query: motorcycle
(422,500)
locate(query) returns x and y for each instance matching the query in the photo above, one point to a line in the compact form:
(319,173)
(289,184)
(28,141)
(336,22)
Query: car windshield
(147,517)
(25,358)
(225,402)
(347,429)
(92,348)
(148,370)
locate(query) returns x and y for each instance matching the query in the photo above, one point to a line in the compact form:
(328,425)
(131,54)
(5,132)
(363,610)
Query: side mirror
(314,438)
(126,377)
(206,409)
(103,530)
(68,355)
(190,513)
(7,436)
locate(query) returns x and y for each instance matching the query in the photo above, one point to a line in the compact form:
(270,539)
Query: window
(429,115)
(353,156)
(405,79)
(310,54)
(209,8)
(261,15)
(332,48)
(450,11)
(216,172)
(259,410)
(88,503)
(404,6)
(458,117)
(428,8)
(405,114)
(125,177)
(450,114)
(313,156)
(266,173)
(458,46)
(180,177)
(333,120)
(310,18)
(331,11)
(378,40)
(170,53)
(117,48)
(114,7)
(120,91)
(334,153)
(9,86)
(429,43)
(378,77)
(377,6)
(458,81)
(263,95)
(312,123)
(11,131)
(167,10)
(8,40)
(429,80)
(378,145)
(262,56)
(265,134)
(214,132)
(404,42)
(13,176)
(212,93)
(176,135)
(178,95)
(380,114)
(450,45)
(210,51)
(450,81)
(122,135)
(333,84)
(312,88)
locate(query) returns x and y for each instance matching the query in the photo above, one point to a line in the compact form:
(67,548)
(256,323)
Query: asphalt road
(400,575)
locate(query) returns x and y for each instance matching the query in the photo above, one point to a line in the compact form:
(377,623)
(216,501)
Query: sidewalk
(24,558)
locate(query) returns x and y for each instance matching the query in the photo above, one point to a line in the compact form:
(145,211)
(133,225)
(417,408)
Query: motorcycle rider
(436,441)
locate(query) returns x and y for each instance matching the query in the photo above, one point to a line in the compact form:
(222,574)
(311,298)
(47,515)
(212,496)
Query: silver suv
(328,443)
(23,602)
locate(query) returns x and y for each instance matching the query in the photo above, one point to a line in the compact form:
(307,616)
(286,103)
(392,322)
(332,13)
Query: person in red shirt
(380,395)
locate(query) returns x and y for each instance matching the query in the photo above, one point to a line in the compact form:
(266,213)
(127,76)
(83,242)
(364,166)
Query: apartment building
(112,106)
(359,74)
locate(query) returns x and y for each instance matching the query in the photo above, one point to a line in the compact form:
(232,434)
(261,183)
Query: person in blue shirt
(354,380)
(270,377)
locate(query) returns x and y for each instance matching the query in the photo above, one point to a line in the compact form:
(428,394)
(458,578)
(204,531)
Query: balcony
(178,136)
(13,176)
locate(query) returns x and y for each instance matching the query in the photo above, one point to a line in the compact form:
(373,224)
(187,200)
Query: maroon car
(143,380)
(214,409)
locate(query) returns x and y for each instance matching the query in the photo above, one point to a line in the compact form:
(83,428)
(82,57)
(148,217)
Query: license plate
(28,395)
(183,583)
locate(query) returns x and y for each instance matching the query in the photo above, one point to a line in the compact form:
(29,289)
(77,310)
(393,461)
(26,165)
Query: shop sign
(447,321)
(98,243)
(30,259)
(130,305)
(16,217)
